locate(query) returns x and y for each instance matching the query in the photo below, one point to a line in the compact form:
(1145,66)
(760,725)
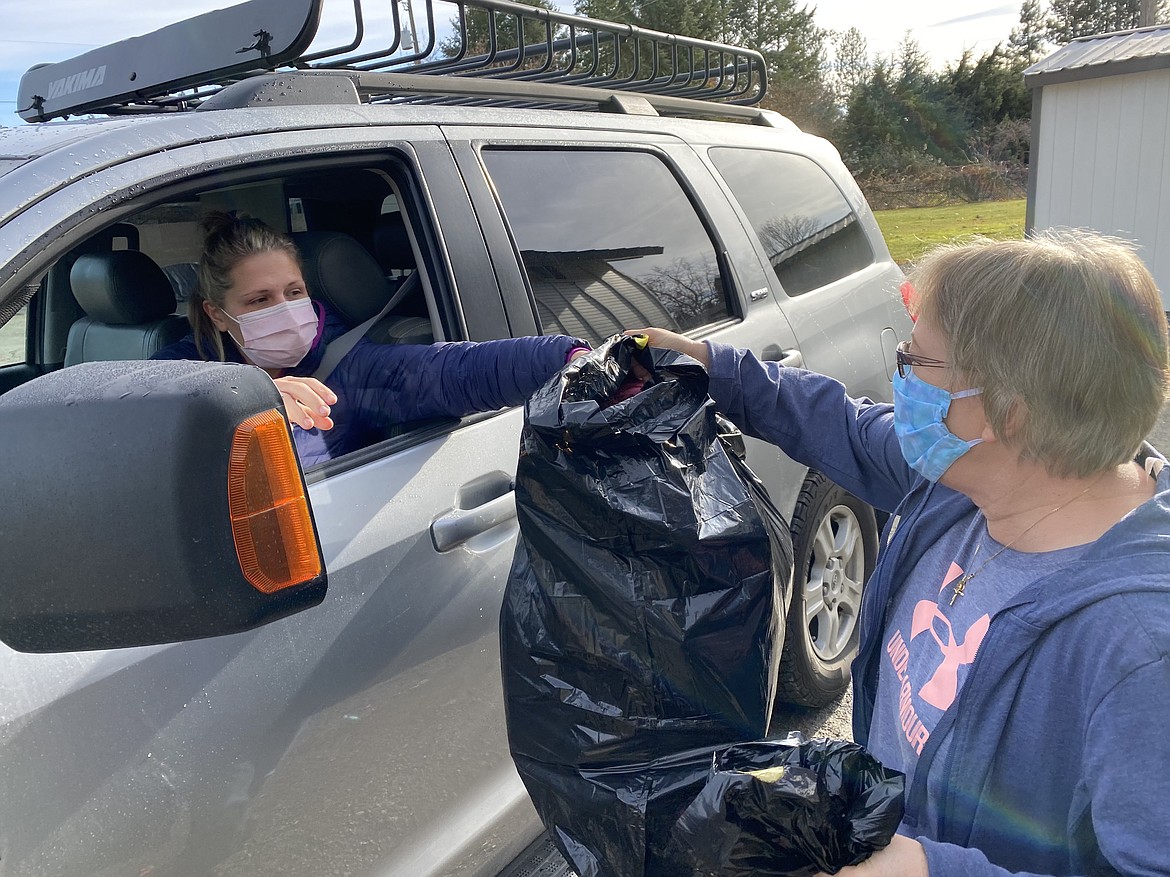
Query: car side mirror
(150,502)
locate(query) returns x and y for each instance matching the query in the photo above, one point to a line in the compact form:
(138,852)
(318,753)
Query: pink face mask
(279,336)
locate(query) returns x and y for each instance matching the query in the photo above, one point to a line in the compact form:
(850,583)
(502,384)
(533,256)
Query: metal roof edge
(1122,33)
(1097,71)
(1109,54)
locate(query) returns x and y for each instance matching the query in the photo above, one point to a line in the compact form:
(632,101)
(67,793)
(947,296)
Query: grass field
(12,340)
(910,232)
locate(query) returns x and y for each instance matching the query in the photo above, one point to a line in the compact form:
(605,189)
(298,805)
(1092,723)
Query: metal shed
(1100,120)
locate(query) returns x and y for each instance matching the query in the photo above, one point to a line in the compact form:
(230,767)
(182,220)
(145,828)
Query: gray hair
(1066,333)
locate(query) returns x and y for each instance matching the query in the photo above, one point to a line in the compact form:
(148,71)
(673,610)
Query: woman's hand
(668,340)
(306,401)
(904,857)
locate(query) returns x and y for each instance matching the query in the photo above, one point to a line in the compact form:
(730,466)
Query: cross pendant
(960,586)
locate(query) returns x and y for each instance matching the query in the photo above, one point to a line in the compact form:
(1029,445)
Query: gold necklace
(960,586)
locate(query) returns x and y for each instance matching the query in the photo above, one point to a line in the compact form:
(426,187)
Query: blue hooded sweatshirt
(1059,755)
(379,386)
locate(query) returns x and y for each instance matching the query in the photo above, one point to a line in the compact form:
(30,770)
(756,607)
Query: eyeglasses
(907,360)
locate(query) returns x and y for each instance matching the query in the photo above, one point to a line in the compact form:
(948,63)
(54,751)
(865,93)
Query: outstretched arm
(452,379)
(809,416)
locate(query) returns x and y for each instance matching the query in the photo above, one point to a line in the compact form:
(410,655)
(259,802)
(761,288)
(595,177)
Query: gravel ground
(832,721)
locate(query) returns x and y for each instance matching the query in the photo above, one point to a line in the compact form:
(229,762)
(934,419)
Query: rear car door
(825,258)
(594,232)
(621,228)
(363,736)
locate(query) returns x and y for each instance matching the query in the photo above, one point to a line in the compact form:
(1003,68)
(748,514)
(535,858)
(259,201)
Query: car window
(355,258)
(609,241)
(809,232)
(14,339)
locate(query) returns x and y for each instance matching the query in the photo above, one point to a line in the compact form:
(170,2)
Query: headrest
(342,272)
(184,278)
(121,288)
(392,243)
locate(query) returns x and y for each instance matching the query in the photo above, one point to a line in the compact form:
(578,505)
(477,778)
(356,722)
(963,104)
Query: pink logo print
(953,573)
(940,690)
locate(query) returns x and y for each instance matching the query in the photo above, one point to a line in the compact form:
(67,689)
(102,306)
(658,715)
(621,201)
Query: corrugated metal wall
(1101,161)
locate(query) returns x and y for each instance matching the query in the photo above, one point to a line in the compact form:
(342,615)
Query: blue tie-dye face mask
(919,408)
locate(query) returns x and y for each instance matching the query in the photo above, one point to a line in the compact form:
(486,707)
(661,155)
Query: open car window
(358,240)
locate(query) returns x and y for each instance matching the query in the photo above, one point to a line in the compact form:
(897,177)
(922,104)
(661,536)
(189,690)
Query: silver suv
(217,663)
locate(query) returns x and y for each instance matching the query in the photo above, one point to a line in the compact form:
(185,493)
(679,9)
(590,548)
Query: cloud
(978,16)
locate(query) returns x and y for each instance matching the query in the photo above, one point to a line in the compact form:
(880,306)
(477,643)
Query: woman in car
(252,306)
(1015,644)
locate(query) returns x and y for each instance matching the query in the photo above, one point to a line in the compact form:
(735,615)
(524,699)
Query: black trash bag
(789,809)
(643,617)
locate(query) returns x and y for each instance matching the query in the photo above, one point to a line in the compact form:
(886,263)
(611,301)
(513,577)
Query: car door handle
(458,525)
(790,358)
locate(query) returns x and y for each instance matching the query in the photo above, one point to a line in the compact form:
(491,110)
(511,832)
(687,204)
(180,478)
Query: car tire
(834,542)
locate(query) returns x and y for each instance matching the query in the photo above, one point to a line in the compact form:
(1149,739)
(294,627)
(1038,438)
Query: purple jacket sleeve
(451,379)
(814,420)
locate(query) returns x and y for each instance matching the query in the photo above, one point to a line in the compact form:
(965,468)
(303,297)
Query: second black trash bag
(643,617)
(789,809)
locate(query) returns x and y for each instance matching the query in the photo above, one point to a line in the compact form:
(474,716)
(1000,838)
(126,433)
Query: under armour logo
(939,691)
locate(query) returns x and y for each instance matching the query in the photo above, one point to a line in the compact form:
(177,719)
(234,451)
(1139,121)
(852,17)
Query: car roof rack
(180,66)
(321,87)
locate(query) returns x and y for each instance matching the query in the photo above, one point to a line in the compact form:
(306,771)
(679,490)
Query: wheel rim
(832,592)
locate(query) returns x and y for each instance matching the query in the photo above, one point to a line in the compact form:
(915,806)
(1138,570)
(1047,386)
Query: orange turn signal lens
(271,524)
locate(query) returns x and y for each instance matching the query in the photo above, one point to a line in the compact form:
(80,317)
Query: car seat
(61,307)
(343,273)
(392,247)
(129,307)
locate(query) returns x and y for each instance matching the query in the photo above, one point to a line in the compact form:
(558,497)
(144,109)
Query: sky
(53,30)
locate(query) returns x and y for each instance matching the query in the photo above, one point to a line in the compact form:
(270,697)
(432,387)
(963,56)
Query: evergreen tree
(479,32)
(794,54)
(987,91)
(1026,42)
(912,63)
(811,105)
(702,19)
(787,36)
(908,116)
(905,121)
(851,66)
(1069,19)
(871,138)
